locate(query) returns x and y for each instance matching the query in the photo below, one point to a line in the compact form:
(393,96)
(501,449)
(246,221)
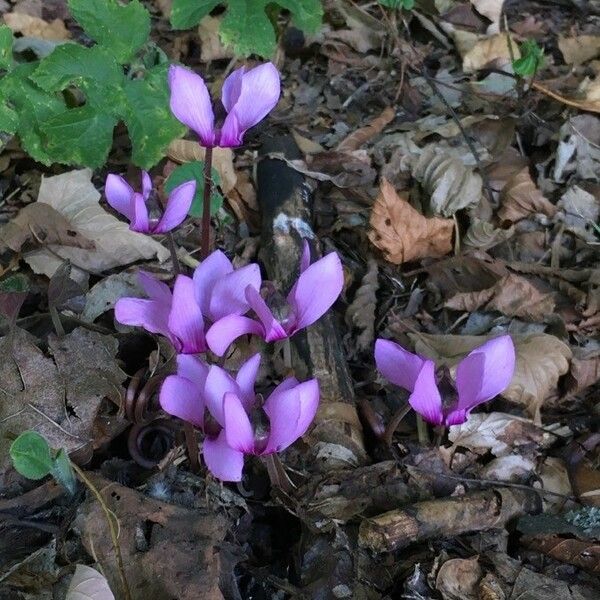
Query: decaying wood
(446,517)
(581,553)
(285,199)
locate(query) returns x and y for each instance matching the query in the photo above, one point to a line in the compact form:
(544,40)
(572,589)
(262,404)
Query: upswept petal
(146,185)
(182,398)
(192,368)
(273,329)
(260,91)
(212,269)
(484,373)
(185,318)
(327,276)
(290,412)
(155,289)
(232,88)
(238,429)
(226,330)
(246,378)
(218,383)
(118,195)
(223,462)
(140,221)
(397,365)
(425,398)
(178,205)
(191,103)
(228,292)
(305,257)
(153,316)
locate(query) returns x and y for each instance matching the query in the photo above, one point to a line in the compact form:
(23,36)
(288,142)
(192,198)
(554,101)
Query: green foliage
(195,171)
(65,106)
(405,4)
(246,25)
(32,457)
(532,58)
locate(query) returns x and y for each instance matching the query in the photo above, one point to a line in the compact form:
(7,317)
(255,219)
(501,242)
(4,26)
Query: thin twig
(174,257)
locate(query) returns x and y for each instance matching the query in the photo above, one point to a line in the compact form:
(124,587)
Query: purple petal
(223,462)
(238,429)
(397,365)
(212,269)
(151,315)
(260,91)
(232,88)
(178,205)
(228,293)
(146,185)
(327,276)
(483,374)
(218,383)
(273,329)
(192,368)
(290,412)
(191,104)
(246,378)
(140,221)
(182,398)
(118,195)
(185,318)
(226,330)
(425,398)
(155,289)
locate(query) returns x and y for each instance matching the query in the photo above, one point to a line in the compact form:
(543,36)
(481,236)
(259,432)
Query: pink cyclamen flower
(216,290)
(313,294)
(247,96)
(233,417)
(134,205)
(483,374)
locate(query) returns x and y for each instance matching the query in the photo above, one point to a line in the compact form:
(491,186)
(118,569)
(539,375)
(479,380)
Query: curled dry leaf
(581,553)
(513,296)
(361,313)
(361,136)
(493,49)
(521,198)
(492,9)
(483,235)
(579,49)
(402,233)
(88,584)
(581,211)
(450,184)
(458,579)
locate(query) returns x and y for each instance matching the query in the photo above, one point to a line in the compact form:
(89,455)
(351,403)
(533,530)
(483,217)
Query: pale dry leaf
(361,313)
(581,210)
(183,151)
(579,49)
(74,196)
(521,198)
(211,46)
(554,477)
(492,9)
(457,579)
(361,136)
(104,295)
(450,184)
(37,28)
(402,233)
(88,584)
(363,32)
(483,235)
(513,467)
(306,145)
(491,50)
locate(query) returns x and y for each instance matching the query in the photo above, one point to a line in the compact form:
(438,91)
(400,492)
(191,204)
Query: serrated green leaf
(93,70)
(247,28)
(194,171)
(62,471)
(31,456)
(9,119)
(6,42)
(151,125)
(121,28)
(79,136)
(187,13)
(306,14)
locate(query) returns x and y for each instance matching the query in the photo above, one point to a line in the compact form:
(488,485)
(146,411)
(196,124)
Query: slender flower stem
(277,474)
(388,434)
(174,258)
(191,445)
(422,432)
(287,355)
(205,241)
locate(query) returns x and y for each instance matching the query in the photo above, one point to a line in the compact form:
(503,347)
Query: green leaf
(31,455)
(121,28)
(306,14)
(93,70)
(405,4)
(187,13)
(62,471)
(148,118)
(9,119)
(195,171)
(79,136)
(6,42)
(16,283)
(247,28)
(532,58)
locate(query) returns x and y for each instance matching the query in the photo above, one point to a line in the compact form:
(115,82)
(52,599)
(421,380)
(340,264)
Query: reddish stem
(205,241)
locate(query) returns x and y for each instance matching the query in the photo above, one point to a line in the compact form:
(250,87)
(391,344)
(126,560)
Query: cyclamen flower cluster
(207,311)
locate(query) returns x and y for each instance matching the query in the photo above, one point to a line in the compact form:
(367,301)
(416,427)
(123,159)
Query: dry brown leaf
(513,296)
(493,49)
(483,235)
(521,198)
(589,102)
(88,584)
(581,210)
(361,136)
(402,233)
(492,9)
(580,49)
(582,553)
(182,151)
(450,184)
(211,47)
(361,313)
(41,224)
(35,27)
(74,196)
(458,579)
